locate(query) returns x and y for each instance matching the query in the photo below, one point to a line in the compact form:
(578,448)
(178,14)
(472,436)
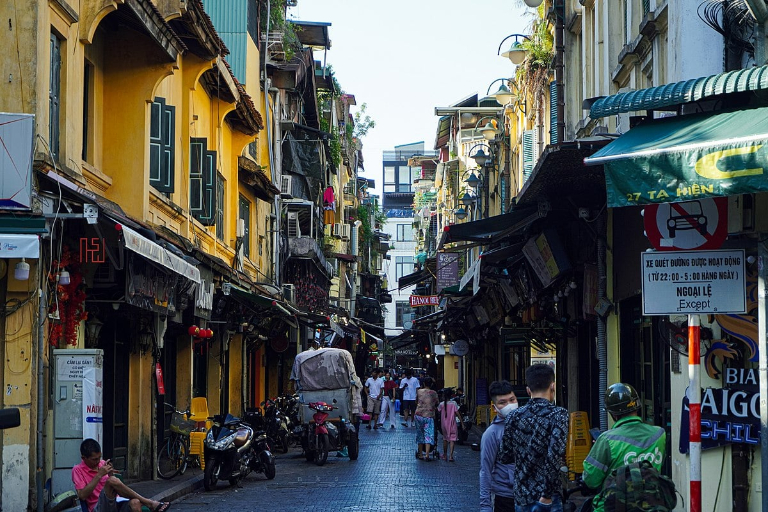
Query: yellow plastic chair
(198,411)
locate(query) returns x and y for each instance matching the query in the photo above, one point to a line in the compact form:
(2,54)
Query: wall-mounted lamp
(517,52)
(480,157)
(460,214)
(468,199)
(533,3)
(92,330)
(473,181)
(21,271)
(490,130)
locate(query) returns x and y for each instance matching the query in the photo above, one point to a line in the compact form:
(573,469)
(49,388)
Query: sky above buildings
(403,58)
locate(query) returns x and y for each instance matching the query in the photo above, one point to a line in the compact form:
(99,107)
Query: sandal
(419,456)
(451,460)
(442,457)
(162,507)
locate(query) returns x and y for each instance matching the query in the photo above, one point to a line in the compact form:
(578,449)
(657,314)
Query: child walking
(448,411)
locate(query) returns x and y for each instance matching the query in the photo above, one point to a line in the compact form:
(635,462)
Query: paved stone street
(386,476)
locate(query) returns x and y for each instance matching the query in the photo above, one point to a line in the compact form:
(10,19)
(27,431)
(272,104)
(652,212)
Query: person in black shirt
(534,440)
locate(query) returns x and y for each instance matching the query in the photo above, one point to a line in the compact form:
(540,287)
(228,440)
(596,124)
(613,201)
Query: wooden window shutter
(529,153)
(202,182)
(162,156)
(553,113)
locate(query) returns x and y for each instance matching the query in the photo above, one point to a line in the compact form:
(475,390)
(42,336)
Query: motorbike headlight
(221,444)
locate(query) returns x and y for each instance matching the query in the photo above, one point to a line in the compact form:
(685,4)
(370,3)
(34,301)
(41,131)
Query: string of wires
(731,19)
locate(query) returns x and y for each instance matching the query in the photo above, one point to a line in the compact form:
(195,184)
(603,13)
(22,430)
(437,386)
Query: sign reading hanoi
(693,282)
(424,300)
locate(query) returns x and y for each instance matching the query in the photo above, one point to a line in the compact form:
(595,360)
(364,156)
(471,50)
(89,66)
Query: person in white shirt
(375,386)
(409,385)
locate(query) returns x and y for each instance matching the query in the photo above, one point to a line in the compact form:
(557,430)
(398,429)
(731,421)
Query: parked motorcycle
(290,406)
(321,436)
(276,425)
(233,449)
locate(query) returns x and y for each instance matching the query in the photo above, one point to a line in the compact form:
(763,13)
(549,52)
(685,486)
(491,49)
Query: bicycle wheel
(172,458)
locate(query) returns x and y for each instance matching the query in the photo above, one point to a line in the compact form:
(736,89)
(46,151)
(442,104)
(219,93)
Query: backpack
(638,487)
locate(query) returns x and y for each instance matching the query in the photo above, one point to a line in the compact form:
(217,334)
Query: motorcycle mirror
(334,400)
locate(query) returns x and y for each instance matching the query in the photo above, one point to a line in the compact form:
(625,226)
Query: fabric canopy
(687,157)
(484,230)
(158,254)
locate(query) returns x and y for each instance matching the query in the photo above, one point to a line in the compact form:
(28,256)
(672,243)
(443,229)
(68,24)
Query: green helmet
(621,398)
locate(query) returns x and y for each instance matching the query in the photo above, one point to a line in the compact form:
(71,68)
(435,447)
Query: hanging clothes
(329,205)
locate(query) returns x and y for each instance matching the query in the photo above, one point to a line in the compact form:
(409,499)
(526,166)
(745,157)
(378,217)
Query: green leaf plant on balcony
(279,25)
(532,76)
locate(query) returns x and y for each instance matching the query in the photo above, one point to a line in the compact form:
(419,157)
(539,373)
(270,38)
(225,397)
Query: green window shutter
(202,181)
(553,113)
(162,156)
(245,215)
(529,152)
(219,218)
(503,193)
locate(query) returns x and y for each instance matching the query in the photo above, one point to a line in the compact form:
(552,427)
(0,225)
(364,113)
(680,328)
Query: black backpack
(638,487)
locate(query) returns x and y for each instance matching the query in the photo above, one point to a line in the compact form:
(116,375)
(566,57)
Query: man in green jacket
(630,440)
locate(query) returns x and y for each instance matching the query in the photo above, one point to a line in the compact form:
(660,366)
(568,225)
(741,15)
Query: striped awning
(654,98)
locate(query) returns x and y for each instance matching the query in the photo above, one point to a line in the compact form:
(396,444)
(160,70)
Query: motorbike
(321,436)
(276,425)
(233,449)
(291,408)
(463,433)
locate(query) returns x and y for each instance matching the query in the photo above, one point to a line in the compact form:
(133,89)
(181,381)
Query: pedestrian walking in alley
(375,387)
(426,404)
(388,402)
(534,440)
(409,385)
(497,479)
(449,412)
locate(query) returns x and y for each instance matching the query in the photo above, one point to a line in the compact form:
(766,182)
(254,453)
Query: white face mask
(507,409)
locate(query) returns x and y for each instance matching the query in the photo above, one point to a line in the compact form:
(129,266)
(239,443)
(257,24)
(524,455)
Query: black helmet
(621,398)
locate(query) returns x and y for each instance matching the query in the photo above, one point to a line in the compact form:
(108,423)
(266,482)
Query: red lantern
(193,330)
(208,333)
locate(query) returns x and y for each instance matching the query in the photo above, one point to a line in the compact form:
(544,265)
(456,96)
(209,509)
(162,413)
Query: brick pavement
(386,476)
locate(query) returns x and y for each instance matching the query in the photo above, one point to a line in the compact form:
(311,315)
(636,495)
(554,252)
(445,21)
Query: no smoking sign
(698,224)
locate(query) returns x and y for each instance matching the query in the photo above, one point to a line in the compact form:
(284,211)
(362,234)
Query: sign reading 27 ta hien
(693,282)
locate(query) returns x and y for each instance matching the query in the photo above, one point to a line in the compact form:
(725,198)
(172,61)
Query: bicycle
(173,456)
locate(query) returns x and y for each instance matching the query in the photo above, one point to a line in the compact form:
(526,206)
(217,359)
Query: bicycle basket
(181,425)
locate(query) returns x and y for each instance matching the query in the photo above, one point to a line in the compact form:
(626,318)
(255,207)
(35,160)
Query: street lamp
(517,52)
(489,131)
(533,3)
(461,213)
(480,157)
(503,95)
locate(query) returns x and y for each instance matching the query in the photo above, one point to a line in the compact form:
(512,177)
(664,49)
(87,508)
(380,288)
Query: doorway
(115,342)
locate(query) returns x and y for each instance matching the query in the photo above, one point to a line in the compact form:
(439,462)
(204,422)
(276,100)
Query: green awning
(654,98)
(687,157)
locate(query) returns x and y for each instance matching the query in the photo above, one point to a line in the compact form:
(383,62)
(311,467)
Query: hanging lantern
(193,330)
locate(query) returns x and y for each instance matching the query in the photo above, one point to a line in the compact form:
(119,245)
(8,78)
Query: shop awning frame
(668,95)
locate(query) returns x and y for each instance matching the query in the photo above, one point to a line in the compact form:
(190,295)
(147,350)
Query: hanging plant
(532,76)
(70,300)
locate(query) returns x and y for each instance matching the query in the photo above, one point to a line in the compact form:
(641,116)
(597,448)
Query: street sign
(460,348)
(693,282)
(699,224)
(424,300)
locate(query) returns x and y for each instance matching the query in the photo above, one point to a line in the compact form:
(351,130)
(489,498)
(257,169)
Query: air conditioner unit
(346,231)
(294,230)
(286,186)
(337,230)
(289,292)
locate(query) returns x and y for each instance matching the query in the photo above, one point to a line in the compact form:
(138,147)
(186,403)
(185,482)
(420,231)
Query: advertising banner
(93,393)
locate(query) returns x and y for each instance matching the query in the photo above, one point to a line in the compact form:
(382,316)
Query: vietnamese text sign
(424,300)
(693,282)
(72,368)
(447,270)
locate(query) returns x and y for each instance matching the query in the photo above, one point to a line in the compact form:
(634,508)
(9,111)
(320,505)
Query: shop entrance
(115,342)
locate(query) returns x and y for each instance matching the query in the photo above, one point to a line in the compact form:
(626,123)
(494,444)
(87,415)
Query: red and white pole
(694,411)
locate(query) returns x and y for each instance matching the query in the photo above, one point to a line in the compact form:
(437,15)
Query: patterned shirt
(534,440)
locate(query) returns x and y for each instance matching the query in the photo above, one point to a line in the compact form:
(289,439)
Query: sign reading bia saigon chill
(693,282)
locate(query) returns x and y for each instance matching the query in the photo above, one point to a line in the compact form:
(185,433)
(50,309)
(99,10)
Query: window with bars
(202,181)
(162,154)
(220,207)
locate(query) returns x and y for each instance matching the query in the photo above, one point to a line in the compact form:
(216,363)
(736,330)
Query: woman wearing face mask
(496,479)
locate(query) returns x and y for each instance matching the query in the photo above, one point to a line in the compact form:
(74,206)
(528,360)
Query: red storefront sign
(424,300)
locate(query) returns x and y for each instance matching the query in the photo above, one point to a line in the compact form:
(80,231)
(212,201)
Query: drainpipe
(602,342)
(560,69)
(40,397)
